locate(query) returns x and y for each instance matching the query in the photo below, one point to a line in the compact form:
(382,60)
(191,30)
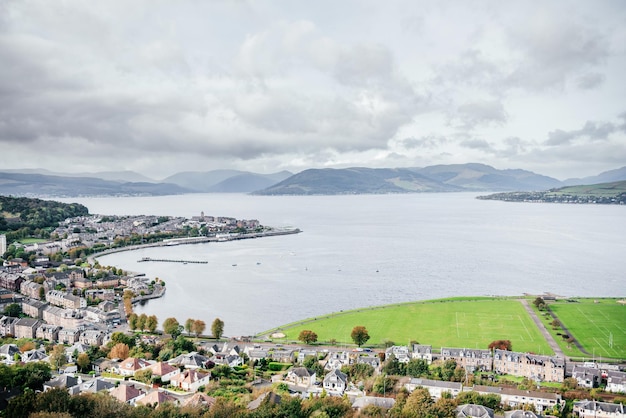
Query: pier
(166,260)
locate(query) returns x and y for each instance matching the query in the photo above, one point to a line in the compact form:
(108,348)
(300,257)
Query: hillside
(603,193)
(225,181)
(357,180)
(604,177)
(439,178)
(483,177)
(21,184)
(20,212)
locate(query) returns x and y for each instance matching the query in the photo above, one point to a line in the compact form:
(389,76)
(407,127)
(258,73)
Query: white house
(335,382)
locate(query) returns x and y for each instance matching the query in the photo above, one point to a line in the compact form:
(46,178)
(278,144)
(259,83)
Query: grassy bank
(458,322)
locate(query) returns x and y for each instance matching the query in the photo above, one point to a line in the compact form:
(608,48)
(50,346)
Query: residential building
(401,352)
(436,388)
(335,382)
(131,365)
(364,401)
(191,360)
(156,398)
(338,359)
(65,299)
(587,377)
(68,336)
(373,361)
(190,380)
(91,337)
(616,381)
(301,376)
(595,409)
(26,327)
(7,326)
(127,393)
(423,352)
(474,411)
(469,359)
(11,281)
(163,370)
(65,318)
(31,289)
(516,398)
(33,307)
(48,332)
(532,366)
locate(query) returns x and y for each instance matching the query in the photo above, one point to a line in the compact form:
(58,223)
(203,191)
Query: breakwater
(167,260)
(195,240)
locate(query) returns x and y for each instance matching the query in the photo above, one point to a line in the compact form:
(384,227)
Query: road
(546,334)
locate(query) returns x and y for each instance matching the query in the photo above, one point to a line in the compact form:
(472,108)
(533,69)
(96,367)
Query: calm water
(374,249)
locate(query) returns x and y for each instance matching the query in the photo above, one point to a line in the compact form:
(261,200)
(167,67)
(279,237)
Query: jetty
(168,260)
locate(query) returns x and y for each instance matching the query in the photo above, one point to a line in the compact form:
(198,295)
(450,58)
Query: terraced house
(468,359)
(542,368)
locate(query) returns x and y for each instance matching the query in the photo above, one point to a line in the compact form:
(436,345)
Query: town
(63,310)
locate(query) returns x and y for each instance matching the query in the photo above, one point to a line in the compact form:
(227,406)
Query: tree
(540,303)
(307,336)
(217,328)
(418,403)
(132,321)
(189,325)
(198,327)
(501,345)
(83,362)
(359,335)
(120,351)
(57,356)
(13,309)
(141,321)
(417,367)
(151,323)
(172,327)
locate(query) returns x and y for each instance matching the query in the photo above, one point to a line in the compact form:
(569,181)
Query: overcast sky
(159,87)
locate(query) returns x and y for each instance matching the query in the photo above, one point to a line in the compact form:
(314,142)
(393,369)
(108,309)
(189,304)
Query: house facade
(436,388)
(531,366)
(26,327)
(335,382)
(301,376)
(423,352)
(469,359)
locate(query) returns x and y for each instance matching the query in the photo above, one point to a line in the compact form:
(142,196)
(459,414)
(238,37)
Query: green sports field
(448,323)
(598,324)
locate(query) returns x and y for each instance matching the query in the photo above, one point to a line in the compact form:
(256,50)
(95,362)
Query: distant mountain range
(356,180)
(438,178)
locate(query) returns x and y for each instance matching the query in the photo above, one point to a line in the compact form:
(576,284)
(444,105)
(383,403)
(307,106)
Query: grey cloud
(478,144)
(425,142)
(591,130)
(554,49)
(473,69)
(590,81)
(482,113)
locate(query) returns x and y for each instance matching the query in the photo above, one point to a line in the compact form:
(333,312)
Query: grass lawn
(27,241)
(446,323)
(593,322)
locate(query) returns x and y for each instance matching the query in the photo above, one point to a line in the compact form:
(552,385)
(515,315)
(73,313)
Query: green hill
(603,193)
